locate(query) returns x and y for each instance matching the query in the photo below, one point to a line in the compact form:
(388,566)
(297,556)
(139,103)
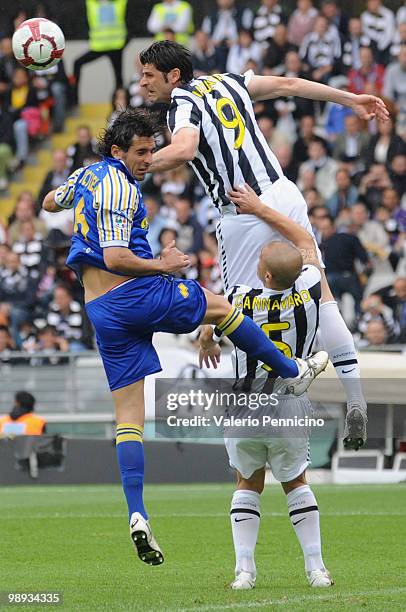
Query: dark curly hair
(129,123)
(166,55)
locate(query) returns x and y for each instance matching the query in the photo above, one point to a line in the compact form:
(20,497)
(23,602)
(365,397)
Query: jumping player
(130,295)
(213,127)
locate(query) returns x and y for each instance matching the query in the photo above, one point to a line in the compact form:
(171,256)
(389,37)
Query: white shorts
(288,457)
(241,237)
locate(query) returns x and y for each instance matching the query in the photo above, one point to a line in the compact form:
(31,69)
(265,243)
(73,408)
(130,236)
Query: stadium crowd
(352,175)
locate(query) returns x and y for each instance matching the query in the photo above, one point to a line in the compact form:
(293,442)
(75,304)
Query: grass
(75,540)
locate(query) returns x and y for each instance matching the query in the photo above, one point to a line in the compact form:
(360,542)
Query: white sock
(245,517)
(305,519)
(339,344)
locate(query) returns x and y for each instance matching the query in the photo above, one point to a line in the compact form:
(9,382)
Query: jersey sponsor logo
(183,290)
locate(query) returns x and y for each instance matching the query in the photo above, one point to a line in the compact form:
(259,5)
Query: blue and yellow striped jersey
(109,211)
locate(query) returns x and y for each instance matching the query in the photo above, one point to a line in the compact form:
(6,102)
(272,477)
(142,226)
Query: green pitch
(75,540)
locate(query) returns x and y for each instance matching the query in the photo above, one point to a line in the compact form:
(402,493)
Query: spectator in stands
(346,194)
(174,14)
(17,288)
(204,56)
(273,136)
(323,166)
(371,234)
(301,22)
(321,51)
(335,114)
(391,202)
(298,107)
(50,343)
(69,319)
(6,345)
(84,149)
(21,101)
(369,76)
(385,144)
(278,47)
(190,235)
(25,211)
(373,309)
(372,185)
(8,64)
(307,126)
(397,173)
(401,14)
(351,146)
(376,334)
(352,44)
(21,421)
(340,252)
(222,26)
(290,167)
(120,101)
(56,83)
(6,145)
(395,88)
(378,24)
(156,223)
(107,37)
(266,19)
(241,51)
(398,42)
(333,12)
(56,176)
(30,248)
(399,287)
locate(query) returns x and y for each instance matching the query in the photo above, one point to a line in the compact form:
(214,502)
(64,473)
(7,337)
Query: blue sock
(130,455)
(245,334)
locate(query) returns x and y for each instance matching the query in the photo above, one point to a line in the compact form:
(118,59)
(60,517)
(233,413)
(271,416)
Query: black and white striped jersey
(380,27)
(232,149)
(290,318)
(318,51)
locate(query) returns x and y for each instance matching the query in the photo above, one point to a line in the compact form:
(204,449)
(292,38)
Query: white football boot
(145,543)
(244,580)
(309,369)
(320,578)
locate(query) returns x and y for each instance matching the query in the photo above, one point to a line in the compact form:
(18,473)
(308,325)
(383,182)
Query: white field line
(339,597)
(84,515)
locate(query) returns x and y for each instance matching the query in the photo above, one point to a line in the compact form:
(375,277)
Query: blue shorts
(126,318)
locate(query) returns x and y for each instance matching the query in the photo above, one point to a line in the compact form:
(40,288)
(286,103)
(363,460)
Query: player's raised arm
(249,203)
(182,149)
(62,198)
(365,106)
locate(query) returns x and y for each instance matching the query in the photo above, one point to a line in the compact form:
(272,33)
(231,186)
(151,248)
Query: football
(38,44)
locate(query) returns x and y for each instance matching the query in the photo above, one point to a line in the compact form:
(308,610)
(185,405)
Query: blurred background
(352,175)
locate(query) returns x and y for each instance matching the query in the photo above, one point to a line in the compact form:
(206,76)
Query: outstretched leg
(339,344)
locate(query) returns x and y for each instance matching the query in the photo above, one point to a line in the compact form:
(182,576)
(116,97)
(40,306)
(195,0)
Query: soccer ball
(38,44)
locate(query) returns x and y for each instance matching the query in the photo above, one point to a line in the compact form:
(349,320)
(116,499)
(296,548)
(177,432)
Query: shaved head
(280,264)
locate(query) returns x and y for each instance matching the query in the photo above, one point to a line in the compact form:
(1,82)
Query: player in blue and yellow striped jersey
(130,295)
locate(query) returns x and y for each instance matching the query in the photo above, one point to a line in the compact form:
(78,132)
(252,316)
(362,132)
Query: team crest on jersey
(119,221)
(184,291)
